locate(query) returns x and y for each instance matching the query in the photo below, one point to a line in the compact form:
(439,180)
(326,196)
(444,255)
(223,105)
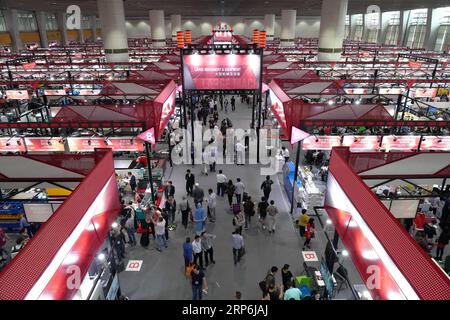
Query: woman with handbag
(310,231)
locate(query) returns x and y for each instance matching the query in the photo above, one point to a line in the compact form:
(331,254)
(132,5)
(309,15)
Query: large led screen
(221,71)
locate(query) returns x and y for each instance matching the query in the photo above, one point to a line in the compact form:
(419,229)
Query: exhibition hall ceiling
(138,8)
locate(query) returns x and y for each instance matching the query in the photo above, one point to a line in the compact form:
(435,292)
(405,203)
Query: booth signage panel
(425,93)
(38,212)
(12,145)
(59,92)
(222,71)
(435,143)
(29,66)
(362,143)
(17,95)
(357,91)
(391,91)
(44,144)
(117,144)
(321,142)
(400,143)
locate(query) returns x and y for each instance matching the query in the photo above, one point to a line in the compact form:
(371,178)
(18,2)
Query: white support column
(269,25)
(353,19)
(114,33)
(175,20)
(93,26)
(61,17)
(12,23)
(158,28)
(332,29)
(433,23)
(288,18)
(385,19)
(81,35)
(41,20)
(405,21)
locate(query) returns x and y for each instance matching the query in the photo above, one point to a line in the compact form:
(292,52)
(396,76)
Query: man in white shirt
(221,183)
(285,153)
(239,188)
(212,202)
(198,251)
(240,153)
(160,231)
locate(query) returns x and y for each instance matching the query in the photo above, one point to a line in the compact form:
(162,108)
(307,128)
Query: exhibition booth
(73,236)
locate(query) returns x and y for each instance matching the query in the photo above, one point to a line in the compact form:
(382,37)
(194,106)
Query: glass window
(395,19)
(359,27)
(416,36)
(443,35)
(51,23)
(3,27)
(85,23)
(392,34)
(27,21)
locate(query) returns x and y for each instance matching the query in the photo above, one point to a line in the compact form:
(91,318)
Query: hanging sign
(29,66)
(148,136)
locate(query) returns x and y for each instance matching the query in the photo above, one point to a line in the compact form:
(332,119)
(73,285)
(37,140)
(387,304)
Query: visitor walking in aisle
(131,231)
(238,246)
(249,211)
(233,103)
(160,230)
(198,194)
(221,102)
(208,247)
(285,154)
(442,242)
(240,153)
(269,281)
(226,105)
(286,276)
(171,208)
(184,209)
(221,183)
(230,192)
(266,187)
(309,233)
(190,182)
(211,203)
(239,221)
(198,251)
(199,219)
(272,211)
(239,188)
(303,222)
(169,190)
(262,211)
(132,181)
(187,252)
(199,283)
(212,155)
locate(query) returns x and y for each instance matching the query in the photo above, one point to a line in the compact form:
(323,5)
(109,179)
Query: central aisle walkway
(162,274)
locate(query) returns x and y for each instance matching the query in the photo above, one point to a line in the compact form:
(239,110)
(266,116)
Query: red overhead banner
(12,145)
(44,144)
(400,143)
(117,144)
(216,71)
(321,142)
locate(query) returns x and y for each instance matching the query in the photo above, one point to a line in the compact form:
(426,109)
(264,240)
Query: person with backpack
(269,280)
(249,211)
(262,211)
(266,187)
(272,211)
(230,192)
(310,231)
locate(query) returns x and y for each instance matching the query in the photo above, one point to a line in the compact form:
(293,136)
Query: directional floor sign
(148,136)
(309,256)
(134,265)
(298,135)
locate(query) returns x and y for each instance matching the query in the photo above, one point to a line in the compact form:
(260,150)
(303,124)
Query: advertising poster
(227,72)
(391,90)
(58,92)
(400,143)
(17,95)
(44,145)
(362,143)
(435,143)
(415,64)
(321,142)
(29,66)
(12,145)
(357,91)
(117,144)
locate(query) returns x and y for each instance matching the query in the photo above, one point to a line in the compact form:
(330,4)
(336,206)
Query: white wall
(307,27)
